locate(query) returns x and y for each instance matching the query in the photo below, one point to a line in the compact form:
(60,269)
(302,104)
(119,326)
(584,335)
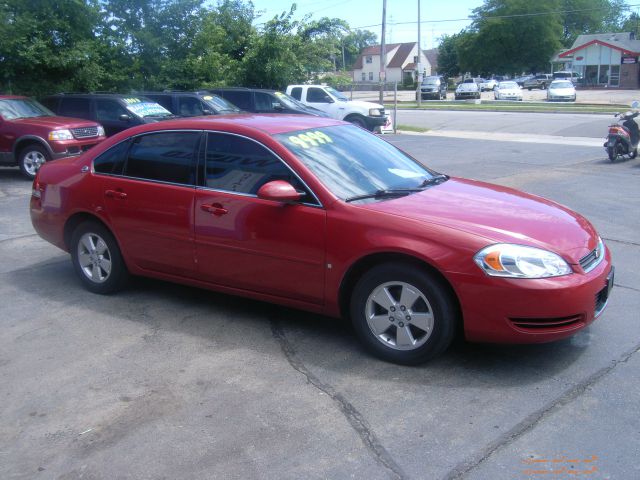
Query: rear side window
(164,100)
(75,107)
(240,99)
(164,156)
(189,106)
(296,92)
(112,161)
(51,103)
(237,164)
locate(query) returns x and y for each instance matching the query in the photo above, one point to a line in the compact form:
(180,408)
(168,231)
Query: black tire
(30,158)
(102,280)
(417,339)
(611,151)
(359,121)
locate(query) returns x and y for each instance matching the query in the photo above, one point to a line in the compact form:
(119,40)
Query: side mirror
(635,105)
(206,111)
(124,117)
(277,106)
(327,99)
(279,191)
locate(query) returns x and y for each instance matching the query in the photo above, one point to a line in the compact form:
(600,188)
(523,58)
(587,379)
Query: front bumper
(69,148)
(373,122)
(501,310)
(561,98)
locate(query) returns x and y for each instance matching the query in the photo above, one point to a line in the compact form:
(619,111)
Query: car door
(150,204)
(318,98)
(249,243)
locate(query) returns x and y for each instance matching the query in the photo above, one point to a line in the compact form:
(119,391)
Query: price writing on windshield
(131,100)
(310,139)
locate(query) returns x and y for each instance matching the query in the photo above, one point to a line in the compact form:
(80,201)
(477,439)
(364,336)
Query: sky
(439,17)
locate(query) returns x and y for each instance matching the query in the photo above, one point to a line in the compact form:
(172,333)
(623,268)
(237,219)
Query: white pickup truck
(364,114)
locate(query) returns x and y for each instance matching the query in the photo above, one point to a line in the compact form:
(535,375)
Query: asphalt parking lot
(165,381)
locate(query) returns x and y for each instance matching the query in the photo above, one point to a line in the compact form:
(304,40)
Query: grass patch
(411,128)
(492,106)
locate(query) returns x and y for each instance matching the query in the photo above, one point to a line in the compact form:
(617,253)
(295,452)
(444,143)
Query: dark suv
(31,135)
(434,88)
(265,101)
(539,81)
(192,104)
(114,111)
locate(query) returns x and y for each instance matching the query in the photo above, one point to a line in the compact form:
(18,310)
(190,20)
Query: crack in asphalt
(532,420)
(624,242)
(18,237)
(625,287)
(353,416)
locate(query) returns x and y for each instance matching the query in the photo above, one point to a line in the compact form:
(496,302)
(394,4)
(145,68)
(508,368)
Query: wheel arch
(360,267)
(27,140)
(78,218)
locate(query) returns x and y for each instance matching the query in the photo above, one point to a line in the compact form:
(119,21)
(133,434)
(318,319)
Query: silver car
(561,90)
(508,91)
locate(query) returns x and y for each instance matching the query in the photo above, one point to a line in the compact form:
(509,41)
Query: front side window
(296,93)
(109,110)
(350,161)
(265,102)
(241,99)
(189,106)
(237,164)
(163,156)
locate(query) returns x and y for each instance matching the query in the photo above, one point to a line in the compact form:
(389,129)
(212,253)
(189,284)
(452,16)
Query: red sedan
(320,215)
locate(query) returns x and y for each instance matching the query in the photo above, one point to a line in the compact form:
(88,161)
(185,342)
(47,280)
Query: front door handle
(115,194)
(214,209)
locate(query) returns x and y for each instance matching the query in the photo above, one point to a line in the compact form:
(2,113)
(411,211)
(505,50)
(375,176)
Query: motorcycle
(624,135)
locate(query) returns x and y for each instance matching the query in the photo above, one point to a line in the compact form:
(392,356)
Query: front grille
(85,132)
(547,323)
(591,259)
(382,113)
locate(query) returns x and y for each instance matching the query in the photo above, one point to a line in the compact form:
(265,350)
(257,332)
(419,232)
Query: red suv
(30,134)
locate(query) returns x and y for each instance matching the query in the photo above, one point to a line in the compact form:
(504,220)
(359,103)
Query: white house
(401,60)
(604,59)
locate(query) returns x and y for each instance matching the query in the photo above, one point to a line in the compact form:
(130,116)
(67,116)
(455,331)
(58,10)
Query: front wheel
(97,259)
(402,314)
(359,121)
(611,151)
(634,153)
(30,159)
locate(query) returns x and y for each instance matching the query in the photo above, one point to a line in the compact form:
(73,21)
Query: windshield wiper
(435,180)
(395,192)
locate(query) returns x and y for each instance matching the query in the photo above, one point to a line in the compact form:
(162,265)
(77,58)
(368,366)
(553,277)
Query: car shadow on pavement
(321,343)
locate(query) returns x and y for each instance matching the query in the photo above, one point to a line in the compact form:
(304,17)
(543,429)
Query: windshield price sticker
(131,101)
(310,139)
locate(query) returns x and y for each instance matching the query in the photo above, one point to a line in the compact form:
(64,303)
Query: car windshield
(562,85)
(12,109)
(144,107)
(351,162)
(431,81)
(219,104)
(337,94)
(505,85)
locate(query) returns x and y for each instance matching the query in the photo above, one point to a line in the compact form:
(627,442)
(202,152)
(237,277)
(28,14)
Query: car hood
(467,87)
(498,215)
(563,90)
(55,122)
(510,91)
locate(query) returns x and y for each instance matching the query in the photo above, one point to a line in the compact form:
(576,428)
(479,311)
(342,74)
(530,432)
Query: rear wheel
(402,314)
(30,159)
(97,259)
(611,151)
(634,153)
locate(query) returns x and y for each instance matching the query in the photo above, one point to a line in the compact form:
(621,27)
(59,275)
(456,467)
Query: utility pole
(418,64)
(383,53)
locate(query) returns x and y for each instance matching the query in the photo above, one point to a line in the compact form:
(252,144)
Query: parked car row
(66,124)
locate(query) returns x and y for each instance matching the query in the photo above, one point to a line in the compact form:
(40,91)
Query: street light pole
(418,64)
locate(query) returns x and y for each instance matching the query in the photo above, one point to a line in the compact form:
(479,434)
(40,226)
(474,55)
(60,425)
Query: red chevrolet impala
(323,216)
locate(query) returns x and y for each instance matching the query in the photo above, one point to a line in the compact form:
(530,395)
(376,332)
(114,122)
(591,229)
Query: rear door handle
(214,209)
(115,194)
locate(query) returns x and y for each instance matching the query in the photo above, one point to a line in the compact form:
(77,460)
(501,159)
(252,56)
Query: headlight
(519,261)
(374,112)
(100,131)
(60,135)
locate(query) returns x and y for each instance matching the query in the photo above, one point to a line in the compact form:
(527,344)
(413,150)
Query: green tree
(448,63)
(632,24)
(48,46)
(354,42)
(590,16)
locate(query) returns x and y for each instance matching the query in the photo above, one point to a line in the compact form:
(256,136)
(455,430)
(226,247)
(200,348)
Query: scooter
(623,136)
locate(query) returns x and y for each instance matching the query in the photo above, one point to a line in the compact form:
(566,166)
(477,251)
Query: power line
(497,17)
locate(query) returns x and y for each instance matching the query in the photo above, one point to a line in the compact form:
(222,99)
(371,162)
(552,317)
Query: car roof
(179,92)
(271,124)
(242,89)
(101,94)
